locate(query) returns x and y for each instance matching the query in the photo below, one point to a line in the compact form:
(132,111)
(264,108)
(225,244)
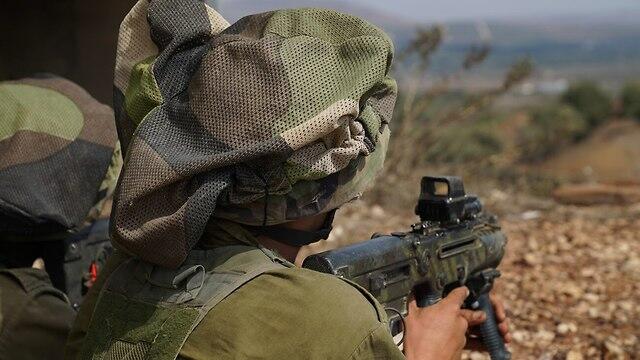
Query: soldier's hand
(473,340)
(437,332)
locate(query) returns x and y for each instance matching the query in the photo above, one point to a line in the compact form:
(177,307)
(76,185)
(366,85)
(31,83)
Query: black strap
(295,237)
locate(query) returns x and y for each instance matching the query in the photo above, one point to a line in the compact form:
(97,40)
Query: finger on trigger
(457,296)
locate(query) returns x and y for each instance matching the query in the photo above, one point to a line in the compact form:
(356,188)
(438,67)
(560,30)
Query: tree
(590,101)
(630,98)
(552,127)
(415,126)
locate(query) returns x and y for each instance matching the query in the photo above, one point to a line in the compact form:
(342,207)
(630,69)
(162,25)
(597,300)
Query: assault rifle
(454,244)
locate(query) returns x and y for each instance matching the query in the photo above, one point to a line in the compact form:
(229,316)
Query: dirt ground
(571,276)
(571,281)
(610,154)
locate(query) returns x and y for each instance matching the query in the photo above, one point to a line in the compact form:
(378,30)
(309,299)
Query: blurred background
(535,104)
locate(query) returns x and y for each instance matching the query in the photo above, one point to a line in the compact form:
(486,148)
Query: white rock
(611,347)
(565,328)
(574,355)
(530,215)
(377,211)
(520,336)
(592,298)
(545,336)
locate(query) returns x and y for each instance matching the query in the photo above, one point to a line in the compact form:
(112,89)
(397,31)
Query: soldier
(58,165)
(240,142)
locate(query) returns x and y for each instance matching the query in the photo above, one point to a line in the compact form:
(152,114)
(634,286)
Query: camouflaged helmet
(59,157)
(279,116)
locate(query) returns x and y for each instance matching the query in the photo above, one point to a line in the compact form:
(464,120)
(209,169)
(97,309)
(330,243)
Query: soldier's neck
(310,223)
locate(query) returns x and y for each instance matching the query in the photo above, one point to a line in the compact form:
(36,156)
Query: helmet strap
(295,237)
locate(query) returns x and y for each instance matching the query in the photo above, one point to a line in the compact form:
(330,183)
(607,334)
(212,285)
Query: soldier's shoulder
(285,308)
(321,289)
(312,296)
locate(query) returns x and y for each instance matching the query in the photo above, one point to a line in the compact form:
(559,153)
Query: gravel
(570,279)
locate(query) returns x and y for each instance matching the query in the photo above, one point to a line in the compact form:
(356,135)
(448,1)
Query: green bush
(590,101)
(551,128)
(630,98)
(465,143)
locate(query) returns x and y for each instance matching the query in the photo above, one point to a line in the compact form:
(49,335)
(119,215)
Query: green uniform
(321,317)
(35,317)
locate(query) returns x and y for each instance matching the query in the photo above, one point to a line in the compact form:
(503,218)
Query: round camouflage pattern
(57,144)
(279,116)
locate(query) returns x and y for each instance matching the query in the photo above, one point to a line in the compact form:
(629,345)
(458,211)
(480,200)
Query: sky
(495,9)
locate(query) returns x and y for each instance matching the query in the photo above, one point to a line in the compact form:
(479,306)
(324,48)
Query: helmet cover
(279,116)
(58,150)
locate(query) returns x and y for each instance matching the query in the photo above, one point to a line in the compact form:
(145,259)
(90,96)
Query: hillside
(610,154)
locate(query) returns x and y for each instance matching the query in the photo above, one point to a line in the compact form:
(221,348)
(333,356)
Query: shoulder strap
(148,312)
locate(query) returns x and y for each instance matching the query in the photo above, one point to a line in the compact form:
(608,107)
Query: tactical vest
(148,312)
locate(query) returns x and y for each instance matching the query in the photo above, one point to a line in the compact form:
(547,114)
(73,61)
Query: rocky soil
(571,278)
(572,284)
